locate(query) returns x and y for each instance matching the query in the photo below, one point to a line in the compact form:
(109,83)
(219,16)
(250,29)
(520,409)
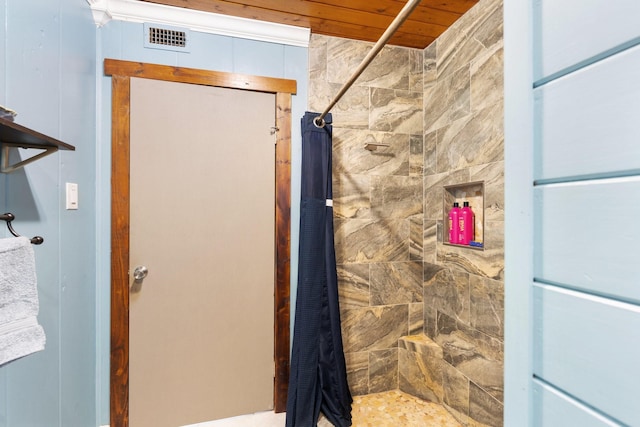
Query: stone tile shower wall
(378,200)
(440,110)
(463,142)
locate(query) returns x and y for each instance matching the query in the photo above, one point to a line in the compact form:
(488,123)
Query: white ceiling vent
(165,37)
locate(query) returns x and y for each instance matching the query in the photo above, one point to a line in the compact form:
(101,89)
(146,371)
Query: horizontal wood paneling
(587,234)
(422,13)
(589,121)
(358,19)
(586,296)
(587,346)
(554,408)
(458,6)
(568,32)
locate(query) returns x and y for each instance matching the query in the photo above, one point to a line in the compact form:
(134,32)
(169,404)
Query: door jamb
(121,73)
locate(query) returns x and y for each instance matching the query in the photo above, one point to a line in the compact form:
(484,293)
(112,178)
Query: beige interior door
(202,221)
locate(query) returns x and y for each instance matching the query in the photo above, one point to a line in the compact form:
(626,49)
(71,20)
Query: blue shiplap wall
(51,72)
(572,101)
(124,41)
(47,74)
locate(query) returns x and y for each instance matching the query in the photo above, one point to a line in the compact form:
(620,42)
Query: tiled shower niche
(472,192)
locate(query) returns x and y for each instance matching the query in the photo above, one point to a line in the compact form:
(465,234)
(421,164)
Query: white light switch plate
(72,195)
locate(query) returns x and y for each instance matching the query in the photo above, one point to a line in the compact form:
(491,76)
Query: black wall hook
(8,217)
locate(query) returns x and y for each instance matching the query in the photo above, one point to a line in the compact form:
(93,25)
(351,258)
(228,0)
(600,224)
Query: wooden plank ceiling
(352,19)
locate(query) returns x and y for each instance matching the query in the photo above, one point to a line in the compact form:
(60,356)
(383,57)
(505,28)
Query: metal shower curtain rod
(395,24)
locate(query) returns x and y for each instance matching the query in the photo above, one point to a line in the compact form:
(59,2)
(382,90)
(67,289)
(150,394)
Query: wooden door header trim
(115,67)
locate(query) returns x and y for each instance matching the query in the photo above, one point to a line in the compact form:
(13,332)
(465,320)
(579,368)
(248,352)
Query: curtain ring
(319,122)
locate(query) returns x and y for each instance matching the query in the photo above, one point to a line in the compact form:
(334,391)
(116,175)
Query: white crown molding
(206,22)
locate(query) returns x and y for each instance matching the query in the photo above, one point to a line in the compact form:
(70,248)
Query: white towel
(20,333)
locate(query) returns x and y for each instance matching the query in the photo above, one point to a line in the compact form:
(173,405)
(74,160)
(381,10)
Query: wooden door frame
(121,73)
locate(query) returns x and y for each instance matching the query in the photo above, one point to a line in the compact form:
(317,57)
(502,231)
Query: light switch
(72,195)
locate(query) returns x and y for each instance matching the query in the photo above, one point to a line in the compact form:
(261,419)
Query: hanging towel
(20,333)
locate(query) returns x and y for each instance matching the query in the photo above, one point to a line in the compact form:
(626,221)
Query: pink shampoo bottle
(467,224)
(454,223)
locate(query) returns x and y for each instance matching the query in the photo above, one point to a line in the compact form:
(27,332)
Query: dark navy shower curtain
(318,377)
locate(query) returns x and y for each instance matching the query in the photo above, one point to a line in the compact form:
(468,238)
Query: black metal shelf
(13,135)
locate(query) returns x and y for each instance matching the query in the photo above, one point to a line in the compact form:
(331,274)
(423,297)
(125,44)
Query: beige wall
(441,112)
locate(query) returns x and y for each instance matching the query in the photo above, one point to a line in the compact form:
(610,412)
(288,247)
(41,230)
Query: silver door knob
(140,272)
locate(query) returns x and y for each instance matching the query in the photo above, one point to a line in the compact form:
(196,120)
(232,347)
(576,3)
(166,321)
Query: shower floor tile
(395,408)
(388,409)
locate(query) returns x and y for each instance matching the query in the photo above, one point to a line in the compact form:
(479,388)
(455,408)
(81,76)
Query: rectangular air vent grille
(165,37)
